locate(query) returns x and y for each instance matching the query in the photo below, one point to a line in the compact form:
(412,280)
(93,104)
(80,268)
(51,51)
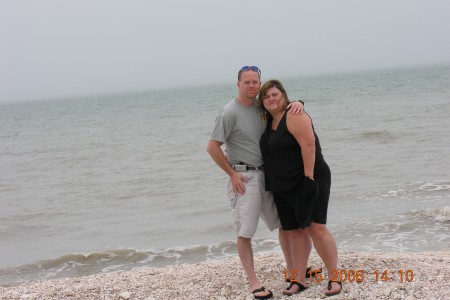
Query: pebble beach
(422,275)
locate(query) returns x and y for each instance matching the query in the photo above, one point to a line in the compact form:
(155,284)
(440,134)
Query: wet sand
(423,275)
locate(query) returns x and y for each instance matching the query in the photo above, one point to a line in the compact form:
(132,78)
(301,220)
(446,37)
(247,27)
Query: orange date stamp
(351,275)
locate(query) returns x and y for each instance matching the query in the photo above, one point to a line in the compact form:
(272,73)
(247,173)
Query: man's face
(249,84)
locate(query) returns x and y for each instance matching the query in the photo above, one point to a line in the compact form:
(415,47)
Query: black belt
(243,168)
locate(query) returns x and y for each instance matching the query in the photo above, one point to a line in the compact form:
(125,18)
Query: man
(239,126)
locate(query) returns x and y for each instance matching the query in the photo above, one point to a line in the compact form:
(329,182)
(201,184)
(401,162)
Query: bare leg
(285,245)
(300,248)
(326,248)
(245,251)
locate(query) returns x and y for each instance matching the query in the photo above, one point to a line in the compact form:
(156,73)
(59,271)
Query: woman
(300,180)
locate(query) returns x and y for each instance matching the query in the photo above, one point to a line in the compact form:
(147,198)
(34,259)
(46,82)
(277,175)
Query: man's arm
(296,107)
(237,180)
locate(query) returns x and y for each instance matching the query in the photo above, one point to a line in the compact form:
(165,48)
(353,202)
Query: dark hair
(268,85)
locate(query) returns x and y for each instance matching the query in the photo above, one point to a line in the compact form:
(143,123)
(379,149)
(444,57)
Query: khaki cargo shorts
(256,202)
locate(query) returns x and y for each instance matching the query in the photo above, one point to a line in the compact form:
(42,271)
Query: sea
(120,181)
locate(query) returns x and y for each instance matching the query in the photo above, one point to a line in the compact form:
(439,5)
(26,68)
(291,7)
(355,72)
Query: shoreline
(422,275)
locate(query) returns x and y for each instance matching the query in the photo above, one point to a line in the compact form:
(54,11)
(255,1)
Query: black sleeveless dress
(299,199)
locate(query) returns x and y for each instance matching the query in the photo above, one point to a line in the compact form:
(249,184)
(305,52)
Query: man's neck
(245,101)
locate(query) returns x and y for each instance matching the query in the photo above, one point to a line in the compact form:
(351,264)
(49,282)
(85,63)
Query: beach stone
(125,295)
(172,282)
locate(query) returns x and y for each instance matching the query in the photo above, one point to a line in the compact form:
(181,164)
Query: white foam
(441,215)
(434,186)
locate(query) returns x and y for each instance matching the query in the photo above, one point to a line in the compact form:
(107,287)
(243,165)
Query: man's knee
(244,242)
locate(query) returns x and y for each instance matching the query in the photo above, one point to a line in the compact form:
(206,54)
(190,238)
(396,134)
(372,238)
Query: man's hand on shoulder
(296,108)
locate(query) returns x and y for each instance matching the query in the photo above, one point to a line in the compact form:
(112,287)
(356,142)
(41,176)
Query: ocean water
(115,182)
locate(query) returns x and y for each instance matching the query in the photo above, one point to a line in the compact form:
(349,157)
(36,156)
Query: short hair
(242,71)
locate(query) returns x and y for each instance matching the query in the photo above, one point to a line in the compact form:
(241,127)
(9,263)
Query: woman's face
(273,100)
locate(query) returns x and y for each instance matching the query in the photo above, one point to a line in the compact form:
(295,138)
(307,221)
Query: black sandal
(330,287)
(309,273)
(301,288)
(262,289)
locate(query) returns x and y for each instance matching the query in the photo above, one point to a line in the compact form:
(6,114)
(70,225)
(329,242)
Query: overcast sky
(57,48)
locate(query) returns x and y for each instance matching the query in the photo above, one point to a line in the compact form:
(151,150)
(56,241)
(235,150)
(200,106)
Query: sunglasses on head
(249,68)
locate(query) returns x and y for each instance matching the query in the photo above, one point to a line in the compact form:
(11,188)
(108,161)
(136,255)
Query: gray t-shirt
(240,127)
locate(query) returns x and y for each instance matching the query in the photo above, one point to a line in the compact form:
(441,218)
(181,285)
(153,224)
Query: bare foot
(262,293)
(294,288)
(333,288)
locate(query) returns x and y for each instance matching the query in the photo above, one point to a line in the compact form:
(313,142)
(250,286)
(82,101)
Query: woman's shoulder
(303,117)
(298,122)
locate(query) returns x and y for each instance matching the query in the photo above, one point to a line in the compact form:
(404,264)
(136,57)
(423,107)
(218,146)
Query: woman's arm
(300,127)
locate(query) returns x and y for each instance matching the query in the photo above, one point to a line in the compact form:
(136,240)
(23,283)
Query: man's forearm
(219,158)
